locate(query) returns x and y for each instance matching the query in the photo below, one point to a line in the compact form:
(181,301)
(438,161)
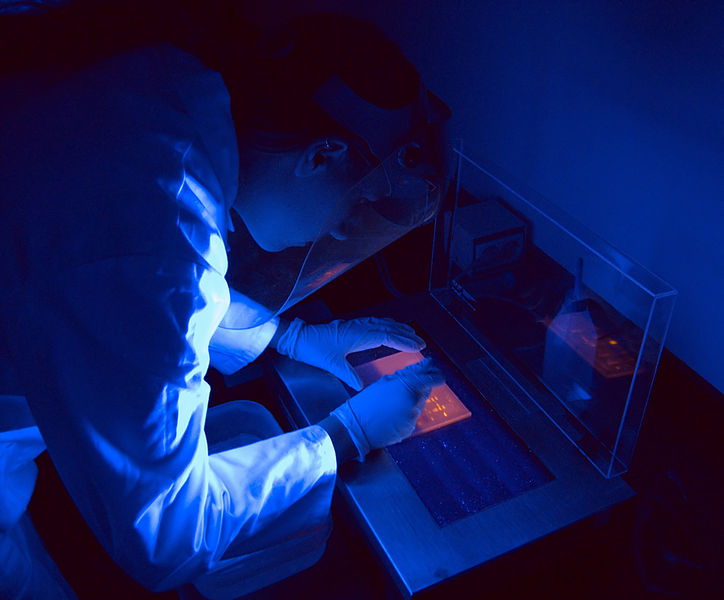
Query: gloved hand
(326,346)
(385,412)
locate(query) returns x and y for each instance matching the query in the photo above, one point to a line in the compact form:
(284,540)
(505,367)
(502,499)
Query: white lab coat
(116,187)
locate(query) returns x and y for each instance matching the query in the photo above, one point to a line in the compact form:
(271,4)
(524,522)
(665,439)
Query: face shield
(406,174)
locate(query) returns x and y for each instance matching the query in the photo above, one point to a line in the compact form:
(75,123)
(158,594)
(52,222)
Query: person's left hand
(326,346)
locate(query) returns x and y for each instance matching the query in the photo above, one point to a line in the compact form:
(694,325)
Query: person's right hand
(385,412)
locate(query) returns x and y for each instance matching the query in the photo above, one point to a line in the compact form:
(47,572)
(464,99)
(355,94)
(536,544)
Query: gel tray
(469,465)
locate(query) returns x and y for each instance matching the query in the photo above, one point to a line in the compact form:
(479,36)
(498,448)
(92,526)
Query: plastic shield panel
(399,194)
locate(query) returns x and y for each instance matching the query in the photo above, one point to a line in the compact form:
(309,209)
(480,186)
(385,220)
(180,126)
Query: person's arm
(114,356)
(344,447)
(282,327)
(234,344)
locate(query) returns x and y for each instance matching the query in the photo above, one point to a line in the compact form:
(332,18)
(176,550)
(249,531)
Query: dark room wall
(613,110)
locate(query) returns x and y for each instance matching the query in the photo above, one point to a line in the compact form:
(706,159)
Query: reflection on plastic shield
(442,408)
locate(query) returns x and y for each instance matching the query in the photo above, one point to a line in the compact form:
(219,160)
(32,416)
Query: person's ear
(319,156)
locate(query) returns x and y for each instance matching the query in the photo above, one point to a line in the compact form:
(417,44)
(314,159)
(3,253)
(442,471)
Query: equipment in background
(487,235)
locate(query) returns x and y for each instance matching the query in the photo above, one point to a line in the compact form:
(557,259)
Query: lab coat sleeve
(234,346)
(113,356)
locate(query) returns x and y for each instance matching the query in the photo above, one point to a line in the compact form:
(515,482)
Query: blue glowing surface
(468,466)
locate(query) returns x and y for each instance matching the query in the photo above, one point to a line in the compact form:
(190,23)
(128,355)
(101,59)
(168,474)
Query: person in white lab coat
(125,184)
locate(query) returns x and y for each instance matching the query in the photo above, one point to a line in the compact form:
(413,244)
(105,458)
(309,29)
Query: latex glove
(326,346)
(385,412)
